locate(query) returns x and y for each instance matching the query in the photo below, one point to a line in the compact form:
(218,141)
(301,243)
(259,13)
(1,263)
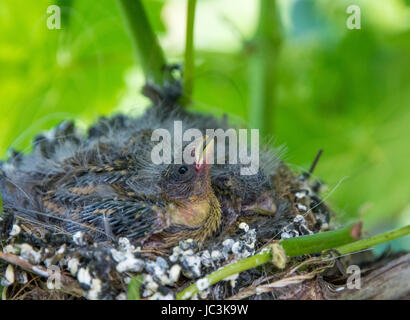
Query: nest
(53,266)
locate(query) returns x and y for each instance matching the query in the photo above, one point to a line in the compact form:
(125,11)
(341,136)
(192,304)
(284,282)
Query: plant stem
(146,44)
(292,247)
(248,263)
(373,241)
(189,63)
(263,67)
(321,241)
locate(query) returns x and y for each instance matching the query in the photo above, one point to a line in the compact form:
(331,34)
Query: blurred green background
(344,91)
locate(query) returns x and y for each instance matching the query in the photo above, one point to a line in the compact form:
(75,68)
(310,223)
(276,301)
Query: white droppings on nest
(188,252)
(176,252)
(251,246)
(9,277)
(325,226)
(244,226)
(186,296)
(206,258)
(160,296)
(130,263)
(118,256)
(40,272)
(127,261)
(121,296)
(174,273)
(22,277)
(62,249)
(202,284)
(127,280)
(216,255)
(191,265)
(301,194)
(53,285)
(29,254)
(237,247)
(159,270)
(15,231)
(153,268)
(188,244)
(84,277)
(95,290)
(204,294)
(227,244)
(301,207)
(125,245)
(73,266)
(78,238)
(150,285)
(10,249)
(232,279)
(299,219)
(285,235)
(162,263)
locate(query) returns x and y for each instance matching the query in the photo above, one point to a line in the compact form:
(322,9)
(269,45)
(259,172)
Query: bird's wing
(134,220)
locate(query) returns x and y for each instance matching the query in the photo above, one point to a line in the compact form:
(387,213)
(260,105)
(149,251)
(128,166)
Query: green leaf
(134,288)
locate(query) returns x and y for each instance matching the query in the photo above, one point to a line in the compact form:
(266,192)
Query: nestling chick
(106,184)
(193,209)
(107,200)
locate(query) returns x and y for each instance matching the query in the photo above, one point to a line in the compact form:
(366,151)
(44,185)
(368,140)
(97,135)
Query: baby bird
(106,185)
(105,196)
(193,209)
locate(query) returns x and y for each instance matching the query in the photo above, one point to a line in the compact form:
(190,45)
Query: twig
(373,241)
(250,291)
(143,37)
(263,68)
(313,166)
(189,59)
(321,241)
(248,263)
(285,278)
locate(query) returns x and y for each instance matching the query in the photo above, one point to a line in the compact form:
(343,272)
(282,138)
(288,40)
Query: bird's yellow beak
(204,152)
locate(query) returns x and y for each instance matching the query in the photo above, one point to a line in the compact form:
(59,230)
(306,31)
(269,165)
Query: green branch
(373,241)
(343,240)
(277,253)
(263,68)
(189,58)
(245,264)
(146,44)
(321,241)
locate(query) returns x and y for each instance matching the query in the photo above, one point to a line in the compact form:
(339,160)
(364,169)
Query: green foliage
(134,288)
(344,91)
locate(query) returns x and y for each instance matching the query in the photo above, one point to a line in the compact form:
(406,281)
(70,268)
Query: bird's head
(189,182)
(187,188)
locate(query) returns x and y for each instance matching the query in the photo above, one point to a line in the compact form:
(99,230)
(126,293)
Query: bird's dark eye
(183,170)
